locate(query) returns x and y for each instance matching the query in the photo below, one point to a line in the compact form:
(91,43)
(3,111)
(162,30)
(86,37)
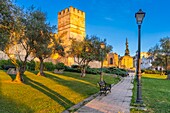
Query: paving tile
(118,101)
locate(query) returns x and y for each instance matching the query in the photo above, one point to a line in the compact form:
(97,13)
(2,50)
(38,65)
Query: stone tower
(71,25)
(127,48)
(71,21)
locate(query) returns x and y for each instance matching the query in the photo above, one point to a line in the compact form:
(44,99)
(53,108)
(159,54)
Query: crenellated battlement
(71,10)
(71,24)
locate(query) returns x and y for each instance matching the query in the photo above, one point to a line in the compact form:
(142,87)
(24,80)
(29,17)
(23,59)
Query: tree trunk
(83,72)
(19,76)
(22,68)
(41,73)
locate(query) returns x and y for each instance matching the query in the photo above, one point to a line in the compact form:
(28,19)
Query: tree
(13,36)
(44,42)
(6,22)
(87,51)
(19,32)
(161,53)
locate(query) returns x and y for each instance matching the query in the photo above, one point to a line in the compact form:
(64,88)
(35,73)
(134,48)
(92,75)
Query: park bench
(105,88)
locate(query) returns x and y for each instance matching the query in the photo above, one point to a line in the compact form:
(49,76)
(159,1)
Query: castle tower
(71,25)
(127,48)
(71,21)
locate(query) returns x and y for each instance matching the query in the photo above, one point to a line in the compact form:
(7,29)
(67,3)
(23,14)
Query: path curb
(85,101)
(80,104)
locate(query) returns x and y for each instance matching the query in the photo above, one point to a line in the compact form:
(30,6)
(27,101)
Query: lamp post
(139,18)
(102,46)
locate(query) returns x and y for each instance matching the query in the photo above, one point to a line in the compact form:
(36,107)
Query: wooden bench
(105,88)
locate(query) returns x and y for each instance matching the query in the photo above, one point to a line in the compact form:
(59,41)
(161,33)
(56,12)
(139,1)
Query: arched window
(111,60)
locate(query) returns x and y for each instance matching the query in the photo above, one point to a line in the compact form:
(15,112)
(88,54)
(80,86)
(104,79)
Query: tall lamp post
(139,18)
(102,46)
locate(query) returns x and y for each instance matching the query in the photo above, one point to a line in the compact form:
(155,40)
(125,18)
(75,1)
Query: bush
(75,66)
(6,67)
(31,65)
(60,66)
(167,72)
(70,69)
(118,71)
(92,71)
(106,70)
(142,70)
(112,70)
(6,64)
(49,66)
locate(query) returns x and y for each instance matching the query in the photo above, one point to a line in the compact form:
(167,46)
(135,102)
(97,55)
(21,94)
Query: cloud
(109,19)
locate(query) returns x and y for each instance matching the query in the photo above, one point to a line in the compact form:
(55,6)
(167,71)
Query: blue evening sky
(115,19)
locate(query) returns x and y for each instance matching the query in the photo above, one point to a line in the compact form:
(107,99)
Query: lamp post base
(139,101)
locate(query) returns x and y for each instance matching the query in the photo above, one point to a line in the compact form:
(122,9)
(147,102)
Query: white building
(146,62)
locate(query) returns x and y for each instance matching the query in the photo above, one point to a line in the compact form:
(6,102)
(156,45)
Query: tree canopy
(161,53)
(87,51)
(25,32)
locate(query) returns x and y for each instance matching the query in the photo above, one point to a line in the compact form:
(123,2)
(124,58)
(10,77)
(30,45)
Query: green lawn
(155,93)
(51,94)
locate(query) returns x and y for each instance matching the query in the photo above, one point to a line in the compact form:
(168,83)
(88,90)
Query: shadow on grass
(83,87)
(86,78)
(7,105)
(50,93)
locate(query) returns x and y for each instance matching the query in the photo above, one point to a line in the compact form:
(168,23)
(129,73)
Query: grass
(51,94)
(155,93)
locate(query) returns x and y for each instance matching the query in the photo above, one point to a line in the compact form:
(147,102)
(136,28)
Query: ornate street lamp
(102,46)
(139,18)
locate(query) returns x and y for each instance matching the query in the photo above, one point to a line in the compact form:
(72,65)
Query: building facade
(111,60)
(71,25)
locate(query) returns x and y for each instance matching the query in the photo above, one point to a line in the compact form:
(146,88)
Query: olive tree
(87,51)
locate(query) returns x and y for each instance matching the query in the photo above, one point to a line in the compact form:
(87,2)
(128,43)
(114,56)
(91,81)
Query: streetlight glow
(102,45)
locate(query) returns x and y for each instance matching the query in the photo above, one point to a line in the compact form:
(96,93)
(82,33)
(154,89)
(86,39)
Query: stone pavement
(118,101)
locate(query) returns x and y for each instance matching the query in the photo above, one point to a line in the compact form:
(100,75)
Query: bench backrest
(102,83)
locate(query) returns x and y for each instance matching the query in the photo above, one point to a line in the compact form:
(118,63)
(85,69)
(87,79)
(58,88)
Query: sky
(115,20)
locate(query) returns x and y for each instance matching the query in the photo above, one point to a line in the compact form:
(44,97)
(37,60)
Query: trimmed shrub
(142,70)
(31,65)
(118,71)
(72,69)
(60,66)
(168,71)
(49,66)
(75,66)
(92,71)
(5,62)
(106,70)
(6,67)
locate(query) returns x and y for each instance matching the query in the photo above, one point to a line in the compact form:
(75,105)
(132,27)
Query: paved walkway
(118,101)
